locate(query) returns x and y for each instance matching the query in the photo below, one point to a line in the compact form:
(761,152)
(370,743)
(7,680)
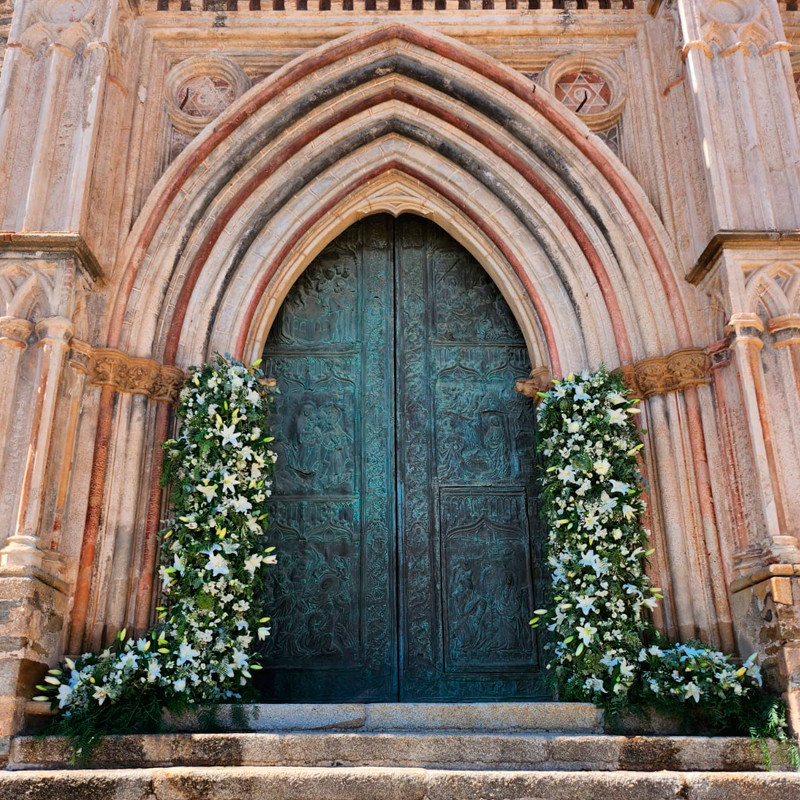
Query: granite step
(456,750)
(522,716)
(385,783)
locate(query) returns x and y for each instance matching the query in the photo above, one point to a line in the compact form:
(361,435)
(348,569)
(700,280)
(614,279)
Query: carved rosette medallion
(200,88)
(591,86)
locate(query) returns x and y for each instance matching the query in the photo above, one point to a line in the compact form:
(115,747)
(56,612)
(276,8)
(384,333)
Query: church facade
(418,212)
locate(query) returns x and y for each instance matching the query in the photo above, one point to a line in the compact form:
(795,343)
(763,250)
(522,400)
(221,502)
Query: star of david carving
(206,96)
(583,92)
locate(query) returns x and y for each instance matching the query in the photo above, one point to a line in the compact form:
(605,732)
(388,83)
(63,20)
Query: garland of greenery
(200,651)
(604,647)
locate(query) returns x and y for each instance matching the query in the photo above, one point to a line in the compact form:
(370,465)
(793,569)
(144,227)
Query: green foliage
(200,651)
(604,646)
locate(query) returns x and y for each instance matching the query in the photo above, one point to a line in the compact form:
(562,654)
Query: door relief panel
(407,564)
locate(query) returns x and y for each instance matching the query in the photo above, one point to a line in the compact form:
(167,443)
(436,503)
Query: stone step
(383,783)
(564,717)
(437,750)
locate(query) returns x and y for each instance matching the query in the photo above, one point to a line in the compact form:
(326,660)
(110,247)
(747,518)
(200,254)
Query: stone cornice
(69,244)
(739,240)
(131,375)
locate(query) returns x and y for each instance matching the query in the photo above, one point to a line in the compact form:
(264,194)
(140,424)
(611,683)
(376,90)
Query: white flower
(580,392)
(209,492)
(692,690)
(64,695)
(179,685)
(585,604)
(229,481)
(263,633)
(186,655)
(100,694)
(602,467)
(617,417)
(153,671)
(586,632)
(229,435)
(594,685)
(619,487)
(566,475)
(217,565)
(252,563)
(573,426)
(241,504)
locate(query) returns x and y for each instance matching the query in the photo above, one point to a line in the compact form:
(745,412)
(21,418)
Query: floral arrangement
(605,648)
(220,468)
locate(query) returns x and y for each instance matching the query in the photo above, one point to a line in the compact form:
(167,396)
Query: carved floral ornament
(110,367)
(591,86)
(200,88)
(675,372)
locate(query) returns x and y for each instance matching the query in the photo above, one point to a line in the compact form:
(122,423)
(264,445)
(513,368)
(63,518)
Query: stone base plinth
(32,607)
(766,609)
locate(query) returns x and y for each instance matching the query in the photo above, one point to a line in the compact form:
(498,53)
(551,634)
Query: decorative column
(23,548)
(778,545)
(14,334)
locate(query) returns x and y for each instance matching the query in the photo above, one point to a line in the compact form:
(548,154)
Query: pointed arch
(517,179)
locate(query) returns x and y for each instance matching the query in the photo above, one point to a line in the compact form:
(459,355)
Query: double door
(403,500)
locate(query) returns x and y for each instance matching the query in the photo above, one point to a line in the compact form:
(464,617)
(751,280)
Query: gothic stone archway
(399,119)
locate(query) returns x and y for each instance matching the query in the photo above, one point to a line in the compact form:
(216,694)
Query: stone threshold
(453,750)
(512,716)
(373,783)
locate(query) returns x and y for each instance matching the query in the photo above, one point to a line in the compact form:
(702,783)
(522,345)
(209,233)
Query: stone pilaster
(14,334)
(24,547)
(737,64)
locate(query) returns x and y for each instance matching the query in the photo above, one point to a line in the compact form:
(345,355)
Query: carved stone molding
(67,244)
(785,329)
(134,375)
(689,366)
(734,26)
(15,330)
(673,373)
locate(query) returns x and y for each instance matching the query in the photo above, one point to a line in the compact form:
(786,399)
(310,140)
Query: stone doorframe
(401,120)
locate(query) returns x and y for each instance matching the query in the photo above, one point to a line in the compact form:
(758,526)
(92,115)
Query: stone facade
(627,172)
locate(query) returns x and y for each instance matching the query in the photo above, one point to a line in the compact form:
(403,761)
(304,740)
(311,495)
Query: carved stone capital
(689,366)
(58,329)
(168,385)
(110,368)
(134,375)
(15,331)
(80,355)
(142,376)
(785,330)
(745,328)
(538,381)
(719,354)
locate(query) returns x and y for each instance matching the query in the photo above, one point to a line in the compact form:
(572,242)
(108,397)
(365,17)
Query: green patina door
(402,511)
